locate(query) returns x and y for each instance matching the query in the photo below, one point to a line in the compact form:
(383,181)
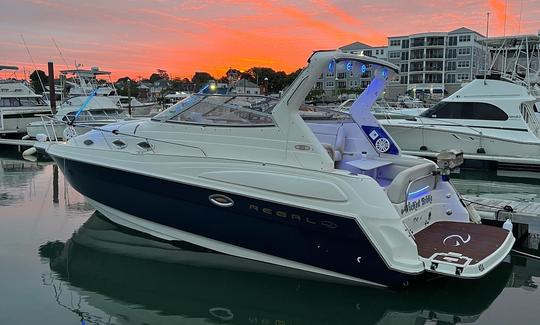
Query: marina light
(363,68)
(331,66)
(213,87)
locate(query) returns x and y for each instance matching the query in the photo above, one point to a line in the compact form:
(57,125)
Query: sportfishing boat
(77,115)
(246,176)
(85,81)
(19,105)
(492,120)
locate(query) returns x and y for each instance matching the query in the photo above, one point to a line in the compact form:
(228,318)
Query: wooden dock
(527,213)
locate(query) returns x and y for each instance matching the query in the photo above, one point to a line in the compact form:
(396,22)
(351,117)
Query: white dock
(493,209)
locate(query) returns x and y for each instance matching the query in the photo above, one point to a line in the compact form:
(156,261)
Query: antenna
(520,14)
(487,48)
(35,67)
(505,11)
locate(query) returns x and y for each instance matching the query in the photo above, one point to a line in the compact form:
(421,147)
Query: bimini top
(254,110)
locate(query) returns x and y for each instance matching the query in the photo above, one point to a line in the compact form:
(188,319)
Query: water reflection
(108,274)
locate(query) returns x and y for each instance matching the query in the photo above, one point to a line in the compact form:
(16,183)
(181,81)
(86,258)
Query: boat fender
(41,137)
(473,214)
(26,137)
(30,151)
(507,225)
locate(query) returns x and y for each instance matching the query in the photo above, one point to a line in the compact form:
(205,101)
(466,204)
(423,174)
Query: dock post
(52,93)
(129,95)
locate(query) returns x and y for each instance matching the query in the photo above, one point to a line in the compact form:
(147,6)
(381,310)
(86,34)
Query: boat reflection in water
(121,276)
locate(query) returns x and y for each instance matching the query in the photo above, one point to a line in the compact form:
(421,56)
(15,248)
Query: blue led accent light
(363,68)
(331,66)
(418,193)
(385,73)
(349,66)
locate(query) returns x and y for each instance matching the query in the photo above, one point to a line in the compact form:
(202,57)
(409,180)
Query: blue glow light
(363,68)
(385,73)
(418,193)
(331,66)
(349,66)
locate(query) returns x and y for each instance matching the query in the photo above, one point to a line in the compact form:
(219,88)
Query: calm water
(62,263)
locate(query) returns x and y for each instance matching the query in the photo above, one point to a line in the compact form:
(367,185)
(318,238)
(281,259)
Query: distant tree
(201,78)
(163,74)
(179,84)
(154,77)
(123,80)
(36,84)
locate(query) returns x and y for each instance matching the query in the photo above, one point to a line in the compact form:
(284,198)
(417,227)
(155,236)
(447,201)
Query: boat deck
(461,240)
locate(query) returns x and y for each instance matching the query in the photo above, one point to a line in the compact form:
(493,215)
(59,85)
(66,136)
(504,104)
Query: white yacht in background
(171,99)
(19,105)
(246,176)
(77,114)
(84,82)
(491,120)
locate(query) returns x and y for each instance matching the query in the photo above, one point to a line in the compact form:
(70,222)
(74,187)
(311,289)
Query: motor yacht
(84,82)
(492,120)
(19,105)
(246,176)
(77,115)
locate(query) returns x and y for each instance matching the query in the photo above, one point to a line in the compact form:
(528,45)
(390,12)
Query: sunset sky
(136,37)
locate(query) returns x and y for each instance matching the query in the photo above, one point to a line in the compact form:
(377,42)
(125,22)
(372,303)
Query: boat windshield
(218,109)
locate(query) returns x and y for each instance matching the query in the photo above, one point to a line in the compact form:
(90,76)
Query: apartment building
(435,64)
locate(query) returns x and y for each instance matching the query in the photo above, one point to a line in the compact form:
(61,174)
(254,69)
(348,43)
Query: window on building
(451,78)
(382,51)
(341,75)
(463,76)
(329,84)
(464,64)
(395,42)
(403,80)
(451,65)
(318,85)
(329,74)
(356,83)
(465,38)
(367,52)
(404,56)
(452,41)
(351,74)
(451,53)
(466,110)
(376,52)
(404,67)
(464,51)
(351,84)
(405,44)
(342,84)
(394,54)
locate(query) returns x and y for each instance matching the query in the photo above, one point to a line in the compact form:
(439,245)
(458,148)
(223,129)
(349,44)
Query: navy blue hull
(321,240)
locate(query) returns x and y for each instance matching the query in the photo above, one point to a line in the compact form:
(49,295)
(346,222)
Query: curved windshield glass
(216,109)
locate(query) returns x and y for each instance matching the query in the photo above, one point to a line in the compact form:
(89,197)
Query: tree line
(276,80)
